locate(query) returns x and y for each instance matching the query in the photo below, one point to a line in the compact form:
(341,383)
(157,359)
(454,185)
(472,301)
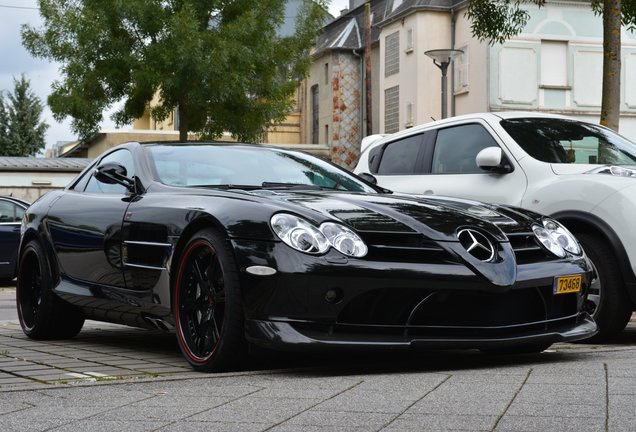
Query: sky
(16,60)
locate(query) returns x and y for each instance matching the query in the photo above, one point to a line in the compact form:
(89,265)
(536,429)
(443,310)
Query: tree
(4,127)
(221,63)
(21,131)
(498,20)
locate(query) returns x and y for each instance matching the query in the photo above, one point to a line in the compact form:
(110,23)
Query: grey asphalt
(116,378)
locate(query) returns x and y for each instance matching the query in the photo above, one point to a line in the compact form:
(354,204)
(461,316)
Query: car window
(401,157)
(80,184)
(122,157)
(10,212)
(566,141)
(456,149)
(247,166)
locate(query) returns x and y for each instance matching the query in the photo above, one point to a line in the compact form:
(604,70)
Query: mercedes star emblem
(476,244)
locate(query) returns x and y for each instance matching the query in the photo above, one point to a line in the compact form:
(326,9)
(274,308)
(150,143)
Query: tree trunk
(183,121)
(611,100)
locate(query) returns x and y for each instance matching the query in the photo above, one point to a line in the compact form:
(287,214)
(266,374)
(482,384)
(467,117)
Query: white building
(554,65)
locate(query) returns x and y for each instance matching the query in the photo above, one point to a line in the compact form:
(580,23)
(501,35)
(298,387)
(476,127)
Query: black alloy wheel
(42,314)
(207,304)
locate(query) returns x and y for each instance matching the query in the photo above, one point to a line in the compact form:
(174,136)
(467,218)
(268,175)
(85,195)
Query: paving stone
(188,426)
(256,410)
(371,421)
(109,426)
(561,424)
(410,422)
(565,410)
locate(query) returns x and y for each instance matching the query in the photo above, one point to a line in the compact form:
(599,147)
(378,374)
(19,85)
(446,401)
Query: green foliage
(628,12)
(221,62)
(496,21)
(21,131)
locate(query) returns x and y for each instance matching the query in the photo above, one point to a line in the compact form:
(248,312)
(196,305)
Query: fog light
(334,295)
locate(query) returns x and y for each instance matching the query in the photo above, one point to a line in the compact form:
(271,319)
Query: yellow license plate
(567,284)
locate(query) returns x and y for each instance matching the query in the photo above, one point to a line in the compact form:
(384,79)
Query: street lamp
(442,58)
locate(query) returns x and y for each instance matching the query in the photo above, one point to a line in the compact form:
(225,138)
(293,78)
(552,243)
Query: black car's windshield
(567,141)
(247,167)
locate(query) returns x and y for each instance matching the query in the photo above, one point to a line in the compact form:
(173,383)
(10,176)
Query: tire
(207,305)
(607,291)
(521,349)
(42,314)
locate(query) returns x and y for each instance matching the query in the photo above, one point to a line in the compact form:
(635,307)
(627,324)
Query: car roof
(15,200)
(488,116)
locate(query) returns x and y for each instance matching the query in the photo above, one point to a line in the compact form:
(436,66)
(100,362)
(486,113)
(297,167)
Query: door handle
(429,192)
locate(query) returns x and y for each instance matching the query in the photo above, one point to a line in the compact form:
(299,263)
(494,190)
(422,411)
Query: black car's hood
(391,218)
(437,218)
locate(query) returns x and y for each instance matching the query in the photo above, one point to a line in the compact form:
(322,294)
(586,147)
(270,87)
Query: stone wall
(346,109)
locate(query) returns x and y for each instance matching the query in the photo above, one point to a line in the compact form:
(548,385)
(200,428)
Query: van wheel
(613,308)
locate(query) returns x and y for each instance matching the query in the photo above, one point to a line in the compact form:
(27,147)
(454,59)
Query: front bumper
(333,301)
(300,336)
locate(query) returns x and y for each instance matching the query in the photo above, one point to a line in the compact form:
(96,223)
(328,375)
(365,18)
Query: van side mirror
(493,159)
(369,178)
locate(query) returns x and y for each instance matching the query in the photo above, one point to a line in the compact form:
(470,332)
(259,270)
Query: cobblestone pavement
(115,378)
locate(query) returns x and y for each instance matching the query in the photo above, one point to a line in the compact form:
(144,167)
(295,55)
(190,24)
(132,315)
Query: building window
(315,114)
(326,73)
(392,109)
(409,40)
(554,63)
(460,70)
(392,54)
(327,134)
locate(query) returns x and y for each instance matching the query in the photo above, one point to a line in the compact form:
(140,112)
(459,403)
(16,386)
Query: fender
(573,219)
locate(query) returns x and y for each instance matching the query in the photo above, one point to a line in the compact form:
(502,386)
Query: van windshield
(569,141)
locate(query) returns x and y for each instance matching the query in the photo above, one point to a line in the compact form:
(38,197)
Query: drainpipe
(452,77)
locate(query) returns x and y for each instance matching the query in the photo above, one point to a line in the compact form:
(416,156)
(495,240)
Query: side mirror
(493,159)
(368,178)
(112,173)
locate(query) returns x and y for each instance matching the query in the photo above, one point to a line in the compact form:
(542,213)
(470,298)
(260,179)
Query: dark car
(11,212)
(232,245)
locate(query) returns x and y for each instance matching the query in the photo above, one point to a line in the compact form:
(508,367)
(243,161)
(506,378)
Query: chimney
(355,3)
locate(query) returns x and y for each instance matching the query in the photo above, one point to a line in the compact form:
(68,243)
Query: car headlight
(556,238)
(344,240)
(299,234)
(305,237)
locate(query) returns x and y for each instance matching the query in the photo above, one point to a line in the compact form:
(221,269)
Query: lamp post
(442,58)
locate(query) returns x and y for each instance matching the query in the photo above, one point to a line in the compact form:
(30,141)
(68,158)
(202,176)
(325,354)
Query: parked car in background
(582,174)
(11,212)
(235,244)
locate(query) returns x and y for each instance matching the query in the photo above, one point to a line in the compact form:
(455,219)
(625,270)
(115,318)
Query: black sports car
(231,245)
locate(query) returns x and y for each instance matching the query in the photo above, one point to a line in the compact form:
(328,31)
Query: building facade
(29,178)
(554,65)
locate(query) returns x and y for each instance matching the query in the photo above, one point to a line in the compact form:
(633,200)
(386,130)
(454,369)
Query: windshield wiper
(292,186)
(226,186)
